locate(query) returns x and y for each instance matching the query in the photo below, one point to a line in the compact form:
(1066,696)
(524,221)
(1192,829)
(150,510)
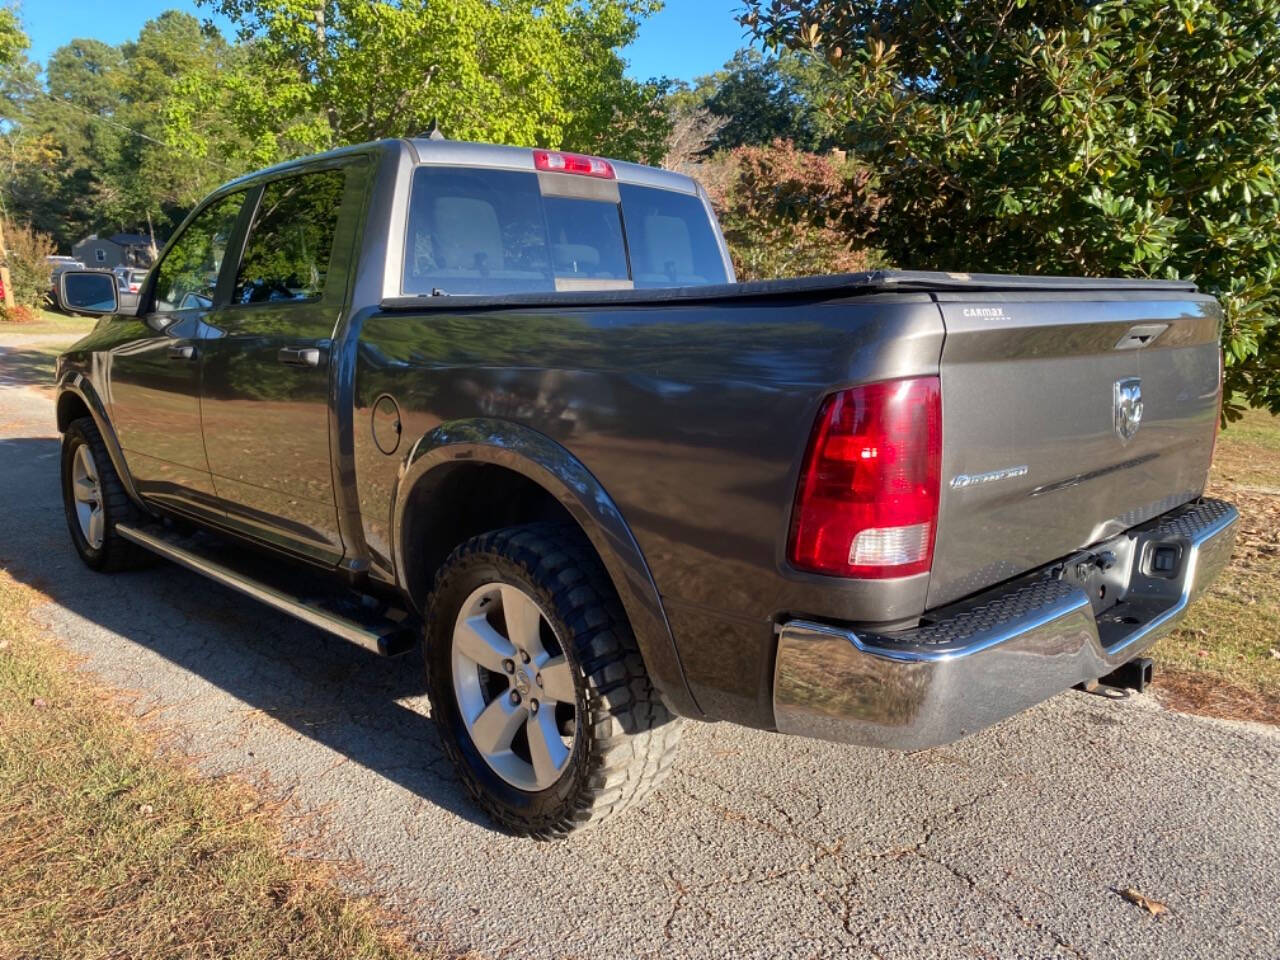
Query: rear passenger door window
(286,257)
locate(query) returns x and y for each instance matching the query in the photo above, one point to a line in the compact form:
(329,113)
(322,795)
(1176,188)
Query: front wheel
(95,500)
(538,685)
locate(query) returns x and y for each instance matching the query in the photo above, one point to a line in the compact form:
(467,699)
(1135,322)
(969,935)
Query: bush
(1137,138)
(16,314)
(30,273)
(789,213)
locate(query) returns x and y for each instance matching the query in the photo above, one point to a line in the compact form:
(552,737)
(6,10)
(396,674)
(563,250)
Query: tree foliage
(757,99)
(123,138)
(29,268)
(87,149)
(787,212)
(1129,138)
(324,73)
(13,41)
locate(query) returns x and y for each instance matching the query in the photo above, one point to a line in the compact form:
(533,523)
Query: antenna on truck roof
(435,133)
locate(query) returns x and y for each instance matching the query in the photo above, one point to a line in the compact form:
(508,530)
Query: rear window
(586,239)
(492,232)
(671,240)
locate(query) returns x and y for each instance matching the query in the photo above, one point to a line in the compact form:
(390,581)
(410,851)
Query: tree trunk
(330,112)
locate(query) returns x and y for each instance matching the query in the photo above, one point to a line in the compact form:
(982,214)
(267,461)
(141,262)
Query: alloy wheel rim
(86,491)
(514,686)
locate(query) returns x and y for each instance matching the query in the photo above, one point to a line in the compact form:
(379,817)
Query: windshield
(489,232)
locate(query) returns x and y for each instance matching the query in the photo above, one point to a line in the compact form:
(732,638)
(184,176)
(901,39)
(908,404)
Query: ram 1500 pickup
(510,408)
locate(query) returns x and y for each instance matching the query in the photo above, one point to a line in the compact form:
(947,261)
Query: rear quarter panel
(692,416)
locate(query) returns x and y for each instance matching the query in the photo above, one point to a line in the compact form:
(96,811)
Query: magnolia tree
(1135,138)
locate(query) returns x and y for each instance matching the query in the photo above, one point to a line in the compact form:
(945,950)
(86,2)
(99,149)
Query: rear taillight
(867,499)
(553,161)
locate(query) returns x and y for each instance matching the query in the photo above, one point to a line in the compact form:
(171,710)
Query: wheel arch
(445,494)
(76,399)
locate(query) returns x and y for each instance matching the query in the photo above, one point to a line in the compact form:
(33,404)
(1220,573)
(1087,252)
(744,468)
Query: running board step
(385,632)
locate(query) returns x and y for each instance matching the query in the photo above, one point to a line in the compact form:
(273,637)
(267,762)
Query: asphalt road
(1013,843)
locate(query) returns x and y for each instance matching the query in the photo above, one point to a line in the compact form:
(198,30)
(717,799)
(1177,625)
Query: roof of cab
(308,160)
(462,153)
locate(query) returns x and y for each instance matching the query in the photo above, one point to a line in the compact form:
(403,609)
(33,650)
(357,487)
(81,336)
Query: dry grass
(1225,660)
(108,850)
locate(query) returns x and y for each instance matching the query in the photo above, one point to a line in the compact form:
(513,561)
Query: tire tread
(117,553)
(634,736)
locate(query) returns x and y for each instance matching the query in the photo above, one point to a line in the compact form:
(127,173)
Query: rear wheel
(94,500)
(538,685)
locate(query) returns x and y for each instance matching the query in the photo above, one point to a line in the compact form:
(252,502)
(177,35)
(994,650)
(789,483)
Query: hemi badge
(962,480)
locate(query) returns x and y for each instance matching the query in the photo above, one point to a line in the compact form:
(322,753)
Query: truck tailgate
(1035,463)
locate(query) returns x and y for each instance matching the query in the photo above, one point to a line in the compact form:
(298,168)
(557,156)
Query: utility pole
(4,270)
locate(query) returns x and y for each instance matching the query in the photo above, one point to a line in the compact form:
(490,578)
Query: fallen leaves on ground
(1153,907)
(1212,696)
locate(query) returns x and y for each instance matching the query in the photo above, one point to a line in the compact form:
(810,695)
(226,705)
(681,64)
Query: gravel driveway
(1015,842)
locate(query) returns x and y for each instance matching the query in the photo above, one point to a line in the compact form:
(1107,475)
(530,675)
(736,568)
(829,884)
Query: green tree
(29,157)
(87,149)
(154,177)
(759,99)
(13,41)
(1130,138)
(323,73)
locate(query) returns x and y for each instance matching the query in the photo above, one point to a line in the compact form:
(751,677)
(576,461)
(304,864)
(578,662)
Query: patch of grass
(1225,658)
(109,850)
(50,322)
(1248,452)
(32,365)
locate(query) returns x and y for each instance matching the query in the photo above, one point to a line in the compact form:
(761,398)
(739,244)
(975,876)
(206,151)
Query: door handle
(299,356)
(182,351)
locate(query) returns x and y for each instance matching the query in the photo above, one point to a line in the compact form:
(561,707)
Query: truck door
(265,394)
(153,377)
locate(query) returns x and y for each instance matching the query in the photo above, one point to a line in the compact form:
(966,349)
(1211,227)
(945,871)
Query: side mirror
(87,291)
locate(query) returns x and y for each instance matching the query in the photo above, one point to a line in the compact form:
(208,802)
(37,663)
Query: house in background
(117,250)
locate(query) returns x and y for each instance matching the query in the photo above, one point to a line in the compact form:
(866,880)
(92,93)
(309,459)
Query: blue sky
(689,38)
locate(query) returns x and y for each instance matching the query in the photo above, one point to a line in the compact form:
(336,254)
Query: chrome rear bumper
(999,653)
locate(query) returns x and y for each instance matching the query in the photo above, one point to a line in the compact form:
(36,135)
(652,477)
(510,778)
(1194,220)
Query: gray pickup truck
(510,408)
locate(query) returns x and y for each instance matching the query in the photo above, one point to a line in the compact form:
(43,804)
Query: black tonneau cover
(875,281)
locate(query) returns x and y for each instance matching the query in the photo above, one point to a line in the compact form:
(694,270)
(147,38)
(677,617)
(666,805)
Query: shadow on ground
(1009,843)
(32,366)
(333,692)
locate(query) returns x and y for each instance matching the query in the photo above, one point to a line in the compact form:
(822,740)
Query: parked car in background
(59,265)
(129,281)
(511,406)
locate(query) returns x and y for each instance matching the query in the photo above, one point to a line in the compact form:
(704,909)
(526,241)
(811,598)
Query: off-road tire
(626,745)
(116,553)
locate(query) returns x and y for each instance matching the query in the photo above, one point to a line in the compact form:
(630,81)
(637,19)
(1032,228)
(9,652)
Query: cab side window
(286,257)
(188,274)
